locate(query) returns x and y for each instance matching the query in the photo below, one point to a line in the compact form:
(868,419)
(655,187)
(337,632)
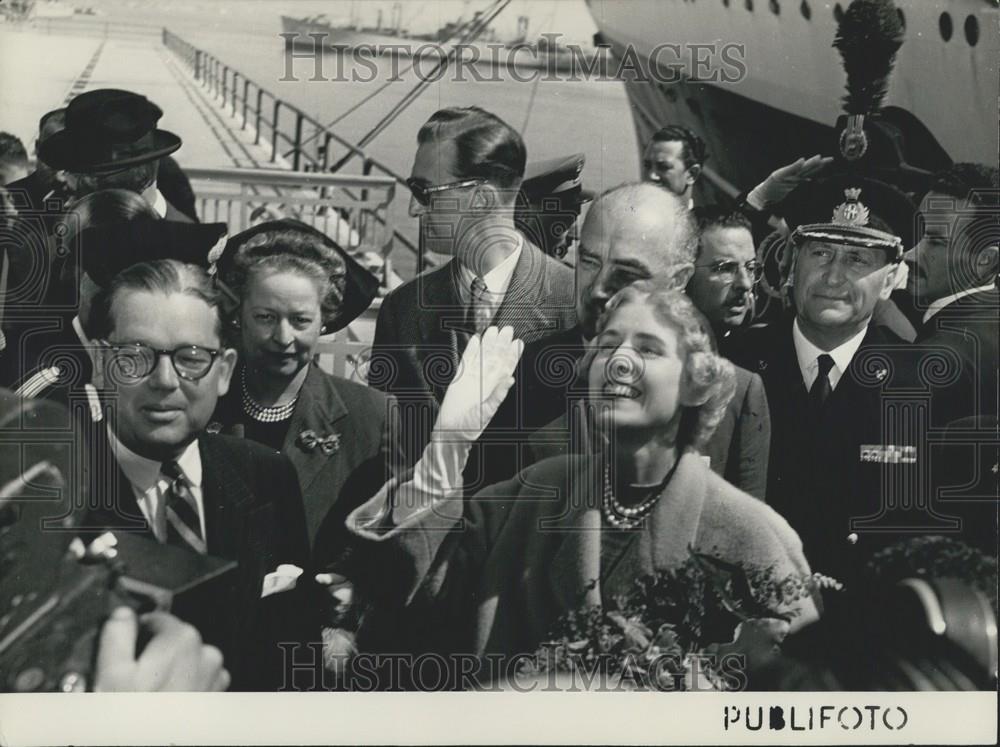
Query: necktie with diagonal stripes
(480,315)
(181,510)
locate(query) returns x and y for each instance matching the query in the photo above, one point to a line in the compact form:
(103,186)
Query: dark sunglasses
(422,192)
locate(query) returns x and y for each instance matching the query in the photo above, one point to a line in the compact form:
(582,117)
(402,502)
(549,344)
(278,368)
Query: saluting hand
(780,183)
(484,377)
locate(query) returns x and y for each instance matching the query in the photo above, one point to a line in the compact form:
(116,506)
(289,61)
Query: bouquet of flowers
(695,627)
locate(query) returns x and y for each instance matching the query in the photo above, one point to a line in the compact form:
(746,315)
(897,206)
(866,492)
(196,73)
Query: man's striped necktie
(181,510)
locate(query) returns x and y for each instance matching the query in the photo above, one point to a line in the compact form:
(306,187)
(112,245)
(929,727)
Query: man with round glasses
(61,366)
(162,365)
(726,270)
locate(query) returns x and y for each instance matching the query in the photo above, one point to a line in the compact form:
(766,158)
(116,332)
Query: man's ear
(226,364)
(693,173)
(889,282)
(486,197)
(987,264)
(98,353)
(681,275)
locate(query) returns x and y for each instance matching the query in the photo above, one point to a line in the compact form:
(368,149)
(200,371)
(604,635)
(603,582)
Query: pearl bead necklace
(258,412)
(628,517)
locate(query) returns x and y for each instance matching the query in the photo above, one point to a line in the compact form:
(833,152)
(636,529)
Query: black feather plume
(869,35)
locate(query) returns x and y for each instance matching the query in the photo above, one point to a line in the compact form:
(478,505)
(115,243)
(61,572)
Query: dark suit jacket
(547,386)
(253,515)
(333,483)
(970,328)
(421,333)
(857,476)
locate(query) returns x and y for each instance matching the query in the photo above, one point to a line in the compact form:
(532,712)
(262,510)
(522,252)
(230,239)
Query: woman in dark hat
(290,283)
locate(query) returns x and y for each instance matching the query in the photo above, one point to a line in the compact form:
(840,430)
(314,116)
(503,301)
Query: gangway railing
(349,208)
(285,130)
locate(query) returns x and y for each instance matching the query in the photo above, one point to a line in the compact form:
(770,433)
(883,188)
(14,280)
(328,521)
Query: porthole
(902,17)
(838,13)
(749,5)
(775,7)
(972,30)
(945,25)
(805,10)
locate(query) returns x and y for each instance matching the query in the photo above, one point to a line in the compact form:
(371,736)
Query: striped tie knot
(183,519)
(480,315)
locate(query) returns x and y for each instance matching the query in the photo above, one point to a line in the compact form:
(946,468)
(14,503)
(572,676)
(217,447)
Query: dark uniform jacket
(855,477)
(422,330)
(969,327)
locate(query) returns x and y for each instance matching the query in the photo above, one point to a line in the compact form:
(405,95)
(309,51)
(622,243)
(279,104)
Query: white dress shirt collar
(808,356)
(936,306)
(143,473)
(81,335)
(150,485)
(160,204)
(497,280)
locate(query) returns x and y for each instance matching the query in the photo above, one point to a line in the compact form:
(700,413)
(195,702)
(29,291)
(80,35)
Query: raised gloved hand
(780,183)
(484,377)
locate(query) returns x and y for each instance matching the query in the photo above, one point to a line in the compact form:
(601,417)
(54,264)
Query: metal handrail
(252,104)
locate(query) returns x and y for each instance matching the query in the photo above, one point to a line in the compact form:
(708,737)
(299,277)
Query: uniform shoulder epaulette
(39,382)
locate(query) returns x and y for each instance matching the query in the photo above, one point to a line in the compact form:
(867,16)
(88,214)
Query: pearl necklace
(273,414)
(629,517)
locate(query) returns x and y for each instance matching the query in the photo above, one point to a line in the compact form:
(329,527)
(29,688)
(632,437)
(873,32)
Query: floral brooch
(308,441)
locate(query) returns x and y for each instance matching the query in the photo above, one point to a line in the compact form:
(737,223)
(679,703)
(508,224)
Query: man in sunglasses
(162,366)
(465,178)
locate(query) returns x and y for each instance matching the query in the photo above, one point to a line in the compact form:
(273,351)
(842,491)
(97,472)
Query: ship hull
(786,97)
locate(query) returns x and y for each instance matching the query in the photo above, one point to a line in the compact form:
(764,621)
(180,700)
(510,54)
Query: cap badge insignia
(852,212)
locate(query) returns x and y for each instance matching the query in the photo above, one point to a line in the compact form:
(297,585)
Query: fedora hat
(108,130)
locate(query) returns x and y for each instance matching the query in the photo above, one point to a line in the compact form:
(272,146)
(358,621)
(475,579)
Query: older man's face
(836,286)
(618,247)
(722,284)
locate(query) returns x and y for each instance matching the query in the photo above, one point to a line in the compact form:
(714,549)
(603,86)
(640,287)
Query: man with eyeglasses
(63,367)
(162,366)
(726,270)
(829,371)
(464,183)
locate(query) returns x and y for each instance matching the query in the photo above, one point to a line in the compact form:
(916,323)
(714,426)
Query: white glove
(780,183)
(483,379)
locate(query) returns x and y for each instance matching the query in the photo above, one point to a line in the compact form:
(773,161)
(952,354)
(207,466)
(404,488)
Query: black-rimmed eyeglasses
(727,270)
(135,360)
(422,192)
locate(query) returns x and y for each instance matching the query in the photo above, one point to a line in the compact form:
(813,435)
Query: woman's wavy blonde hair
(711,377)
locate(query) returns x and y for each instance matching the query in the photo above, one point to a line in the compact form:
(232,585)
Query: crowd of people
(535,434)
